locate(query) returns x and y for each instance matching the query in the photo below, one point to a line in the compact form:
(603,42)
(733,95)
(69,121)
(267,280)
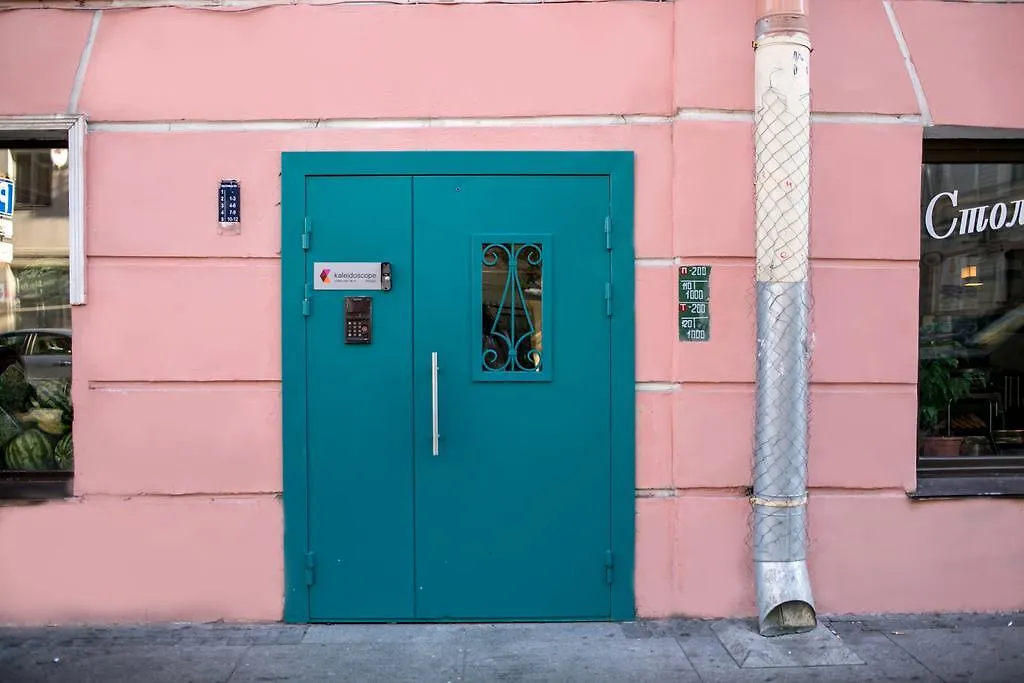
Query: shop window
(971,334)
(36,416)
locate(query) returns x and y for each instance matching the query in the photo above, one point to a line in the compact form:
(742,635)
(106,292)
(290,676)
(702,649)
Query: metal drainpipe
(782,196)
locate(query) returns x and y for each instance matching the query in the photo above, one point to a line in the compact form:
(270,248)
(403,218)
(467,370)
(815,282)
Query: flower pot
(941,446)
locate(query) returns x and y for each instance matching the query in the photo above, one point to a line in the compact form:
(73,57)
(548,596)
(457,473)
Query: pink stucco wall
(178,443)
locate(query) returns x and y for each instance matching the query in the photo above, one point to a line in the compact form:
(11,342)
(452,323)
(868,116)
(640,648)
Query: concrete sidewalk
(950,648)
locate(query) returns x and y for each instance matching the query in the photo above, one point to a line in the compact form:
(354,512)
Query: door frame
(295,168)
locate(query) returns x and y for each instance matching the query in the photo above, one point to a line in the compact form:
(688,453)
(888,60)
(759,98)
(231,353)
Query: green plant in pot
(939,383)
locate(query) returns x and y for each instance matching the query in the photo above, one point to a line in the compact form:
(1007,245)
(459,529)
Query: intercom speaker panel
(358,319)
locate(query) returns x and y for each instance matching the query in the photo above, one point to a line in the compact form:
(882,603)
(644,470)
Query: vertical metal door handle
(433,376)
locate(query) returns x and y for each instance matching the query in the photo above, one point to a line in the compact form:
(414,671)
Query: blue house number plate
(229,206)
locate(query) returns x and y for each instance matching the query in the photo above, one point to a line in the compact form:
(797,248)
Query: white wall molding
(197,126)
(703,114)
(248,5)
(371,123)
(657,387)
(73,129)
(867,119)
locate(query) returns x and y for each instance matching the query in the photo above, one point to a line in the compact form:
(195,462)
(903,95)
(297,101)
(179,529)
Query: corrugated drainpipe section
(782,144)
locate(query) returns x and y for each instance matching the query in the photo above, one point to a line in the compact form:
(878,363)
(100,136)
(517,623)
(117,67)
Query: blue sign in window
(6,198)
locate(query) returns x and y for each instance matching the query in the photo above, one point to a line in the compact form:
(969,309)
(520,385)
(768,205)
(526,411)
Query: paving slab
(751,650)
(349,662)
(571,653)
(905,622)
(112,664)
(437,634)
(153,634)
(511,635)
(968,655)
(883,661)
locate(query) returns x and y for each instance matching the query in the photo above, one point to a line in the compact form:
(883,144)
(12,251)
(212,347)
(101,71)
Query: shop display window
(36,413)
(971,334)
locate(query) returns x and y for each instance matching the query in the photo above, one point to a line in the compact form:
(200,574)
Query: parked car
(45,352)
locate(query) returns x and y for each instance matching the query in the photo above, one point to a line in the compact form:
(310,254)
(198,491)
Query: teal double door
(460,465)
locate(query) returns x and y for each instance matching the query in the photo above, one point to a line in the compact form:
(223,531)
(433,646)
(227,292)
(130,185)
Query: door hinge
(608,232)
(307,230)
(608,299)
(609,566)
(310,565)
(306,305)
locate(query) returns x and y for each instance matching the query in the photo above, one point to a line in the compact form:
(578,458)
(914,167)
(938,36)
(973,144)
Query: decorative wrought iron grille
(512,301)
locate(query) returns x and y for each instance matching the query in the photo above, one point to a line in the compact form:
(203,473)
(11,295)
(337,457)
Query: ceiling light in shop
(969,276)
(59,157)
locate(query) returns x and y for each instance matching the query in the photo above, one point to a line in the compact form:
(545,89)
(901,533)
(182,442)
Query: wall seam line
(83,62)
(908,62)
(669,388)
(211,496)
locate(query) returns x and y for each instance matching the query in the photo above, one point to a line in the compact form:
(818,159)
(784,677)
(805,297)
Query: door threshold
(454,620)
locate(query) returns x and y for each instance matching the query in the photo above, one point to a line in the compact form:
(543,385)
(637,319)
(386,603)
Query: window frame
(1001,476)
(70,130)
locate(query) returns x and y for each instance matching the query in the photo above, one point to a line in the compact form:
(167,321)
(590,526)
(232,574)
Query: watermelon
(52,397)
(15,390)
(52,393)
(64,453)
(30,450)
(9,427)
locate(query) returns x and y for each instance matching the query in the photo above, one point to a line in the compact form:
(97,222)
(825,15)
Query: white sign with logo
(975,219)
(6,252)
(347,276)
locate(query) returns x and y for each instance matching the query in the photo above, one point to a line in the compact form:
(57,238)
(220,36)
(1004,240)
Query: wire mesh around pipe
(783,309)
